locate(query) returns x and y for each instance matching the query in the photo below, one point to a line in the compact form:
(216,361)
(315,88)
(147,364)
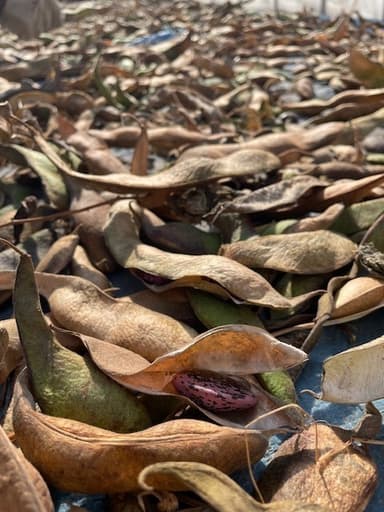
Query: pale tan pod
(83,267)
(358,295)
(59,254)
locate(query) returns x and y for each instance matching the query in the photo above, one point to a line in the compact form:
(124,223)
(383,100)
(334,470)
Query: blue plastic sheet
(163,35)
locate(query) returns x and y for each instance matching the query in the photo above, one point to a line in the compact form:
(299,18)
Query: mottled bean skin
(215,392)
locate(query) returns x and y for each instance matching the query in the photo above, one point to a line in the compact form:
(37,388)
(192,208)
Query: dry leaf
(90,226)
(96,155)
(324,220)
(161,139)
(65,383)
(360,97)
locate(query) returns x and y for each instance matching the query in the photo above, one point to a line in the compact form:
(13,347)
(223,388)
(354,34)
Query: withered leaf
(59,254)
(335,132)
(322,221)
(90,226)
(65,383)
(346,191)
(358,216)
(82,266)
(316,252)
(177,236)
(173,303)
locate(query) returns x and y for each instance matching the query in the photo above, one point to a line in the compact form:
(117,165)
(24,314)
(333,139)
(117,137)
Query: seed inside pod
(215,392)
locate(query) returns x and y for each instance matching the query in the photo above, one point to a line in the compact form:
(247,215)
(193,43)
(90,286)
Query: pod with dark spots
(215,392)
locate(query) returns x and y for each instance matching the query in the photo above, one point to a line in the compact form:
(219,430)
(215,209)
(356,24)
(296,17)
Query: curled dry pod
(78,305)
(235,350)
(358,296)
(182,175)
(316,252)
(59,254)
(317,466)
(78,457)
(83,267)
(90,225)
(82,307)
(213,312)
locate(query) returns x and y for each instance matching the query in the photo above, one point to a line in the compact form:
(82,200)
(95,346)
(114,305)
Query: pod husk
(77,457)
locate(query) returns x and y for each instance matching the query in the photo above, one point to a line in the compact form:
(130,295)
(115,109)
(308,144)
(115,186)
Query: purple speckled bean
(215,392)
(151,278)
